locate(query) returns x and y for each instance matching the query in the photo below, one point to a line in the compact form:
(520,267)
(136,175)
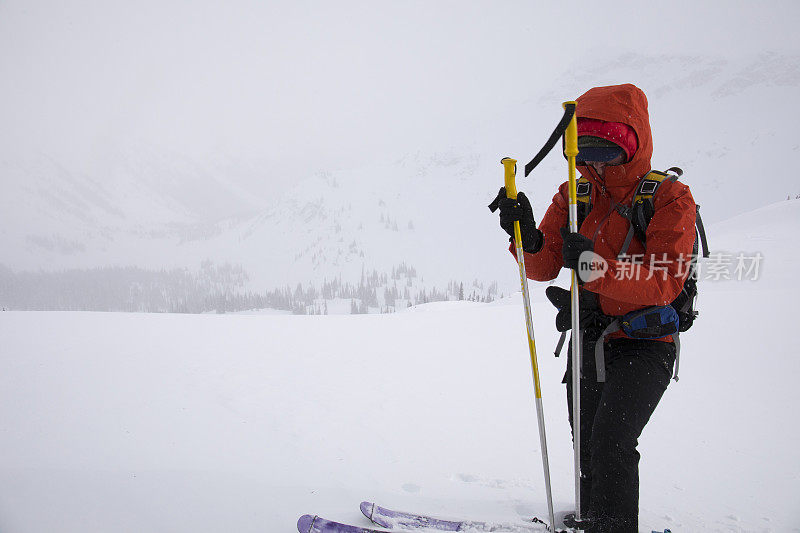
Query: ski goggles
(592,148)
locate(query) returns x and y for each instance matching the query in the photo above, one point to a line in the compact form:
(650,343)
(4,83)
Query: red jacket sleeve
(545,264)
(655,278)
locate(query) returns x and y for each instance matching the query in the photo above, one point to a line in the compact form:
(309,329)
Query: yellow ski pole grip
(510,166)
(571,134)
(571,151)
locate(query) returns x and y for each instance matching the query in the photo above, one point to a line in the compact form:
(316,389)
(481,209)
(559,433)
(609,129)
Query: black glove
(574,245)
(519,209)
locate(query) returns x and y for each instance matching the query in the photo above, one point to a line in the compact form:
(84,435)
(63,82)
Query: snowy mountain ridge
(427,209)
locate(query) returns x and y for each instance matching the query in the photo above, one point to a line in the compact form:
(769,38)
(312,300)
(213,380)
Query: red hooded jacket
(670,234)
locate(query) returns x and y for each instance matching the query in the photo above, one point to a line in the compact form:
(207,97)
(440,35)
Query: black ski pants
(613,415)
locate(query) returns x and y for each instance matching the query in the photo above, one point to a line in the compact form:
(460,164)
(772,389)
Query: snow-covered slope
(771,232)
(125,422)
(54,216)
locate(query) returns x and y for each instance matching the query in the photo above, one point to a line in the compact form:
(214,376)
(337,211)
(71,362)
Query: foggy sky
(290,87)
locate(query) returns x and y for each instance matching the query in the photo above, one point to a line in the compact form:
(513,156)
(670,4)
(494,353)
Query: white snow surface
(160,423)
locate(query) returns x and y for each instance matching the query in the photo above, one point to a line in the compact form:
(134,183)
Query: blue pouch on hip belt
(651,323)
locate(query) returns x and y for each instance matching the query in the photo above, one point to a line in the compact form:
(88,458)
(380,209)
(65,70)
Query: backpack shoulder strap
(642,206)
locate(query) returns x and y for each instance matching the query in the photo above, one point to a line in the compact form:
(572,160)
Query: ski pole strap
(569,111)
(560,344)
(537,520)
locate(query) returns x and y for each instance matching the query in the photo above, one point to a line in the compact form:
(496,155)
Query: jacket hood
(627,104)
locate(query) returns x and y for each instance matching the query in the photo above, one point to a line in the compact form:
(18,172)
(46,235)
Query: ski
(317,524)
(398,520)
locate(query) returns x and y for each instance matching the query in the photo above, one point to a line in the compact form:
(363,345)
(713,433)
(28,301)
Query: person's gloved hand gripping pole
(574,245)
(518,209)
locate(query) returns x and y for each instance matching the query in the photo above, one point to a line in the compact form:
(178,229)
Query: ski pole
(571,151)
(511,192)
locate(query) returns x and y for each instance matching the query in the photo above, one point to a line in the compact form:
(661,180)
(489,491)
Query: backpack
(639,214)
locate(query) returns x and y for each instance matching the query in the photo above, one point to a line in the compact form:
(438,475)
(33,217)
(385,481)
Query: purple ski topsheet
(315,524)
(398,520)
